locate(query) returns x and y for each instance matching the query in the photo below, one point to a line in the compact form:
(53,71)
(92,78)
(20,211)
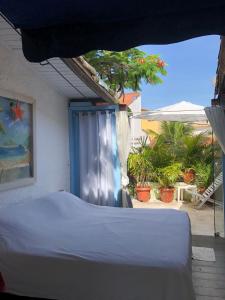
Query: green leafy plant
(172,135)
(183,145)
(140,167)
(175,151)
(160,156)
(204,175)
(139,155)
(169,175)
(126,69)
(192,150)
(142,144)
(211,152)
(173,132)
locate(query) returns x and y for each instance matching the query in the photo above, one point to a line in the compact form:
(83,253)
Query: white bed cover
(60,247)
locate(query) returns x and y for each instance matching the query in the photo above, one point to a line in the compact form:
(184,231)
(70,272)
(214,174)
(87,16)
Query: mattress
(60,247)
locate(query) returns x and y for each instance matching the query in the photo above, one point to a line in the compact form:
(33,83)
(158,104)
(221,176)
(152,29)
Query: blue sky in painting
(191,71)
(16,132)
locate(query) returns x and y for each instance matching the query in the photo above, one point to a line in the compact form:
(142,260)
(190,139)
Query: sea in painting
(15,140)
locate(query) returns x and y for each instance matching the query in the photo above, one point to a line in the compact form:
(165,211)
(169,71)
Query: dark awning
(69,28)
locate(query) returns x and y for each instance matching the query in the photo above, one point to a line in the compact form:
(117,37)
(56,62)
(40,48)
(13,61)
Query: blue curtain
(95,166)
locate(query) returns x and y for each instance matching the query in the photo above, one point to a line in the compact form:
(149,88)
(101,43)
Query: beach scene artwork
(16,146)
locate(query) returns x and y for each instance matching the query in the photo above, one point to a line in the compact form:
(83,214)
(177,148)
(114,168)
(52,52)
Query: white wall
(52,141)
(136,131)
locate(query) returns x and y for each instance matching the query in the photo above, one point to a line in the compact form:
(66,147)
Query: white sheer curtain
(123,140)
(123,131)
(216,117)
(96,158)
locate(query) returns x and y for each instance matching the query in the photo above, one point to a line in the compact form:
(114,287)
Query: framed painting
(17,164)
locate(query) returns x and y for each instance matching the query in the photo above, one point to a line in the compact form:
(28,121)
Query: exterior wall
(151,125)
(136,129)
(52,138)
(202,127)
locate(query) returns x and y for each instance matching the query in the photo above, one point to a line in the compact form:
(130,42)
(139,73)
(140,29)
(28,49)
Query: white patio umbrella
(182,111)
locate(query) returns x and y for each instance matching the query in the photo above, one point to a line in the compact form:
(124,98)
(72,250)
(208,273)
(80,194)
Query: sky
(191,72)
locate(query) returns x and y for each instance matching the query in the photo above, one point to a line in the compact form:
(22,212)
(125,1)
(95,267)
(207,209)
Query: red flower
(141,60)
(18,112)
(160,63)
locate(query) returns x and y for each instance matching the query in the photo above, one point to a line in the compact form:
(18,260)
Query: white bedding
(60,247)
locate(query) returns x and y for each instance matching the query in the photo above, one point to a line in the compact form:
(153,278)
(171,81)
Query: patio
(202,221)
(209,277)
(178,167)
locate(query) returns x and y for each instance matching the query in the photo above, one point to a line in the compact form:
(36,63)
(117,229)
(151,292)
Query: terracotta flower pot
(166,194)
(189,176)
(143,193)
(201,190)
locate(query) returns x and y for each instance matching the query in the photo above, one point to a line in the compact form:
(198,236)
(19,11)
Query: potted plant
(143,191)
(204,176)
(167,178)
(140,167)
(188,175)
(192,150)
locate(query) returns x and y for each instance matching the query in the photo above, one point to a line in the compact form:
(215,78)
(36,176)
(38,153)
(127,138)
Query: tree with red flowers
(127,69)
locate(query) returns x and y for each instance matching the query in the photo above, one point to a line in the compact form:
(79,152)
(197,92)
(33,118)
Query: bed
(60,247)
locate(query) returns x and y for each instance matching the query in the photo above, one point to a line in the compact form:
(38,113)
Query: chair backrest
(213,186)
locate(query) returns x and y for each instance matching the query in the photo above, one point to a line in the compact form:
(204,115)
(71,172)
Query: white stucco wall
(52,141)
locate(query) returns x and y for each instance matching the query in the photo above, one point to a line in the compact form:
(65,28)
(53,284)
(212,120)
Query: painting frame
(18,183)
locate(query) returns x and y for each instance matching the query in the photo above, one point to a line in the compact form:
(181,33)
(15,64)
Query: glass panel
(219,196)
